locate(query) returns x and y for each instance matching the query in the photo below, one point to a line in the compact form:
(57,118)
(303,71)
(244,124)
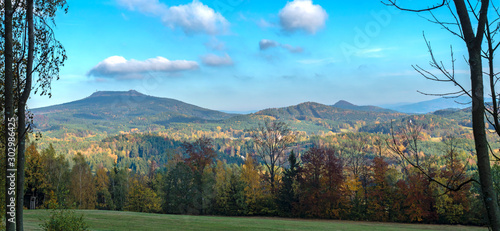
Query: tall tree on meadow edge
(104,200)
(58,179)
(452,206)
(82,191)
(141,198)
(118,187)
(30,50)
(230,190)
(201,155)
(271,140)
(255,190)
(287,198)
(473,33)
(380,193)
(321,183)
(36,182)
(178,190)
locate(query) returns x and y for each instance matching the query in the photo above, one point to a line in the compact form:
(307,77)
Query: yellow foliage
(142,199)
(254,191)
(352,185)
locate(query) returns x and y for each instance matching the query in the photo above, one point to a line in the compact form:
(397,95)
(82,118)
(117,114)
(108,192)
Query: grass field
(114,220)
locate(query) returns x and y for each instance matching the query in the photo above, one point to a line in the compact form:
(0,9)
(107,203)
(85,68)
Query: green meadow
(117,220)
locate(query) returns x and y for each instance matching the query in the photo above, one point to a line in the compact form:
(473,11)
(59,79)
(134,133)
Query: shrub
(62,220)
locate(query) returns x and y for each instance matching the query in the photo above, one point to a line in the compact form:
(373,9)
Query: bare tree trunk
(21,115)
(474,42)
(9,110)
(482,152)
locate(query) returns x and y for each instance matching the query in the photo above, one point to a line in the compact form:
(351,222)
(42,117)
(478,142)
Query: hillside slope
(347,105)
(308,110)
(113,111)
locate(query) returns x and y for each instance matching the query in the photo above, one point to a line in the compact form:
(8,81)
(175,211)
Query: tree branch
(393,3)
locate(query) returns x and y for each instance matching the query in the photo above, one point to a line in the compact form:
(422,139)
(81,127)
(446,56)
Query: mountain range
(122,111)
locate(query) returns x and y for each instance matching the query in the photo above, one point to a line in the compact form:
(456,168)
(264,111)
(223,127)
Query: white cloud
(192,18)
(302,15)
(215,60)
(118,66)
(265,44)
(371,53)
(152,7)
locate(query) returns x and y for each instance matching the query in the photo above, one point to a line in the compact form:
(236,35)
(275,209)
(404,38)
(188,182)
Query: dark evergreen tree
(179,190)
(118,187)
(287,195)
(200,155)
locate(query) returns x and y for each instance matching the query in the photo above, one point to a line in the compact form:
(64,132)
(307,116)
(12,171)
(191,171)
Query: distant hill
(432,105)
(462,116)
(114,111)
(347,105)
(431,124)
(130,103)
(320,111)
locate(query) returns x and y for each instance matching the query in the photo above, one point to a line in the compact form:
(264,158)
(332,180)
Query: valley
(142,142)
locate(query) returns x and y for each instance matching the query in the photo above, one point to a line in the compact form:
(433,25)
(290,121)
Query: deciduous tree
(58,179)
(255,190)
(271,140)
(82,188)
(141,198)
(103,197)
(201,155)
(322,179)
(35,176)
(118,186)
(381,195)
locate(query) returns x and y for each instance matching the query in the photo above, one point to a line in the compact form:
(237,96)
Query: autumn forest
(145,142)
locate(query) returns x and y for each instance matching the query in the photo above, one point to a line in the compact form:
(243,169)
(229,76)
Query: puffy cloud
(265,44)
(192,18)
(118,66)
(215,60)
(302,15)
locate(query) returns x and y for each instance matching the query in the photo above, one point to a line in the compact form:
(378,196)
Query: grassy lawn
(114,220)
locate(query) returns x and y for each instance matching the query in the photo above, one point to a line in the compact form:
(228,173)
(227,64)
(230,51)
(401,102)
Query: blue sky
(241,55)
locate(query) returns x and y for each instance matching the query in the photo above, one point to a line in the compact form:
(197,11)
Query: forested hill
(347,105)
(129,103)
(308,110)
(115,111)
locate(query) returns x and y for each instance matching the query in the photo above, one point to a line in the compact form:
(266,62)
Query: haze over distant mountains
(431,105)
